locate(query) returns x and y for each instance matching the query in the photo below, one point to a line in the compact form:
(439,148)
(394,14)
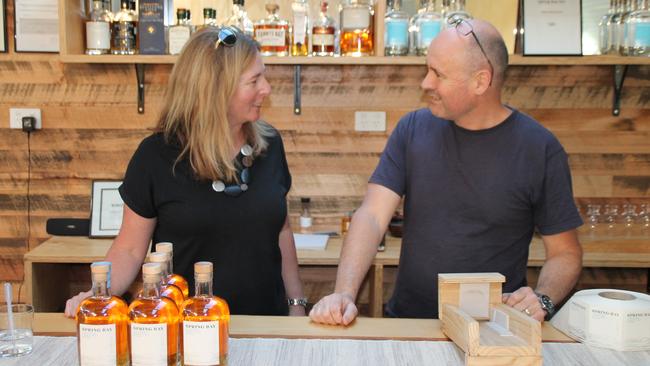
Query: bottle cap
(203,267)
(165,246)
(100,267)
(151,269)
(158,257)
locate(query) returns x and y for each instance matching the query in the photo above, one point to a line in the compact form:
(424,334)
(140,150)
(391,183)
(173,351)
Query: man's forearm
(559,274)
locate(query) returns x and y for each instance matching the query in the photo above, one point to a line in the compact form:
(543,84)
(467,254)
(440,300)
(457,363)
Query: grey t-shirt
(472,201)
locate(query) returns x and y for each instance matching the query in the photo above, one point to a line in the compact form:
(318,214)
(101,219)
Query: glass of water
(19,340)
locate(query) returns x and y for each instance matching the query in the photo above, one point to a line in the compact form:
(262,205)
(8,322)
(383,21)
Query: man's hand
(334,309)
(526,301)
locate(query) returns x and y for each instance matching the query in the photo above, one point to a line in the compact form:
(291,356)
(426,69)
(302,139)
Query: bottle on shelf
(239,18)
(426,25)
(623,47)
(305,215)
(180,33)
(173,278)
(613,27)
(272,33)
(300,28)
(639,31)
(209,18)
(98,30)
(102,322)
(603,29)
(455,9)
(396,34)
(124,30)
(166,289)
(154,323)
(357,28)
(323,33)
(205,322)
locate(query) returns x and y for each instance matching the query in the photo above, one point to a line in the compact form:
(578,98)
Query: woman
(213,180)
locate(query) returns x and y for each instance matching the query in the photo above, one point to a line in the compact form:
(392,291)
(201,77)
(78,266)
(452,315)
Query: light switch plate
(370,121)
(16,117)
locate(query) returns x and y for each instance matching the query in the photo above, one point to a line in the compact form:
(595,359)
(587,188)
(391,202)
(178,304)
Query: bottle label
(397,34)
(323,39)
(98,35)
(201,343)
(299,28)
(124,35)
(97,345)
(428,31)
(178,36)
(355,18)
(305,222)
(642,35)
(271,37)
(148,344)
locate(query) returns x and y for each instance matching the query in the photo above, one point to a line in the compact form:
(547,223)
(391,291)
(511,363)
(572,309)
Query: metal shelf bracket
(297,108)
(139,71)
(619,77)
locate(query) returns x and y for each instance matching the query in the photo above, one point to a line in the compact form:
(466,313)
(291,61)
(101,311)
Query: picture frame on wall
(552,28)
(36,25)
(3,26)
(106,209)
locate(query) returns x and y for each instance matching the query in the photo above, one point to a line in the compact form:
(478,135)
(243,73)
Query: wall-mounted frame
(3,27)
(36,25)
(106,209)
(552,28)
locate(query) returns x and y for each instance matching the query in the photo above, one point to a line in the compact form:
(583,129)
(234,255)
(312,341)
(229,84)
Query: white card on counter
(310,241)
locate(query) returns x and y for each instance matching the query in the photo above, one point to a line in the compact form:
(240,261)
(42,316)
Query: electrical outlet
(16,117)
(369,121)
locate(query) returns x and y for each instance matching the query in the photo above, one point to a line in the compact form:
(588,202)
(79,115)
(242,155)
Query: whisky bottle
(173,278)
(323,33)
(639,38)
(205,321)
(102,323)
(301,27)
(272,33)
(623,47)
(614,28)
(167,290)
(356,28)
(396,33)
(180,33)
(305,215)
(209,18)
(124,30)
(239,18)
(154,323)
(98,30)
(455,10)
(603,29)
(426,26)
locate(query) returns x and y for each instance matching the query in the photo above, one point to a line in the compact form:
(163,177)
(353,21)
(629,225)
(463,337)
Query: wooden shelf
(370,60)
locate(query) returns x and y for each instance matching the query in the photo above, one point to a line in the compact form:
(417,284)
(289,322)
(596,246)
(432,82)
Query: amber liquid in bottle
(150,317)
(173,278)
(205,322)
(166,289)
(102,320)
(356,43)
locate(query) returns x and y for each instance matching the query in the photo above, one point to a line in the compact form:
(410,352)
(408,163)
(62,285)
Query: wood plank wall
(91,128)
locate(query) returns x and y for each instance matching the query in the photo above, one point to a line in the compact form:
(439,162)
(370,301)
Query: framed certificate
(552,27)
(36,25)
(106,209)
(3,27)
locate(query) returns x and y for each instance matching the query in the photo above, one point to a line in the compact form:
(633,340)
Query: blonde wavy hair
(194,112)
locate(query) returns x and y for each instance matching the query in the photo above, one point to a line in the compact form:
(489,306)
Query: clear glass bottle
(98,30)
(603,29)
(209,18)
(205,322)
(323,33)
(426,25)
(124,30)
(272,33)
(173,278)
(239,18)
(396,33)
(613,27)
(102,322)
(455,10)
(166,289)
(623,47)
(639,31)
(180,33)
(305,215)
(357,28)
(300,28)
(154,323)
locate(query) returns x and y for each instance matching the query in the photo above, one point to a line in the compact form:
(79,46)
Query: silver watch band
(302,301)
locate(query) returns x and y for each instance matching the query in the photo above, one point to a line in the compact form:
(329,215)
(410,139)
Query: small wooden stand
(488,331)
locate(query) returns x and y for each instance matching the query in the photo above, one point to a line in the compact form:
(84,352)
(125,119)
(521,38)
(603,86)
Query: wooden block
(523,326)
(461,328)
(503,360)
(471,277)
(492,343)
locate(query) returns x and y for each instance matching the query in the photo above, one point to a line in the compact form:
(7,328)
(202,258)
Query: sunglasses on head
(465,28)
(227,37)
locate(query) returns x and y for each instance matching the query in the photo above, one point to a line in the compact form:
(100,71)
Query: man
(477,178)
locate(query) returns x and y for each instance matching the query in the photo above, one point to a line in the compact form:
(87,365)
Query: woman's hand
(72,304)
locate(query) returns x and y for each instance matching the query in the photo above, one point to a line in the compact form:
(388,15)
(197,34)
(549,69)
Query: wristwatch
(547,304)
(302,301)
